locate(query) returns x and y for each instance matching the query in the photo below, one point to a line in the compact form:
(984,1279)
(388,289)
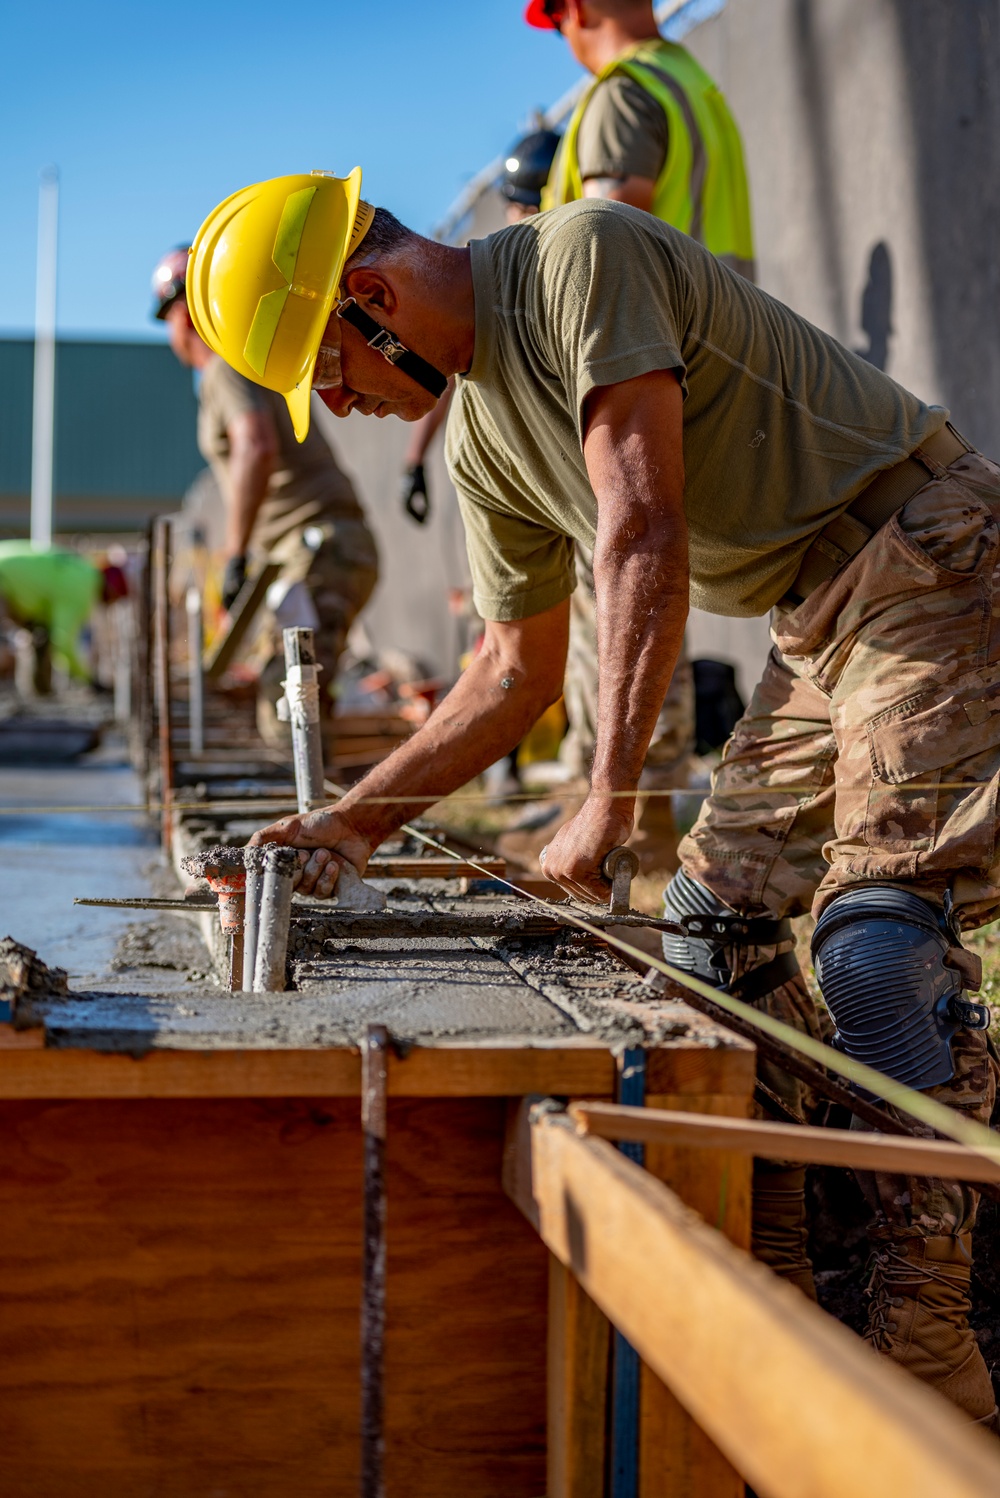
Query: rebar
(223,869)
(374,1111)
(280,865)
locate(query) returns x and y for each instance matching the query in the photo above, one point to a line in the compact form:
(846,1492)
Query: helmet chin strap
(389,346)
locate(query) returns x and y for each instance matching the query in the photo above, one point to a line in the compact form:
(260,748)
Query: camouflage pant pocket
(934,762)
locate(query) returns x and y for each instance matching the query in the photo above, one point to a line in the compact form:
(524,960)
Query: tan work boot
(780,1237)
(918,1317)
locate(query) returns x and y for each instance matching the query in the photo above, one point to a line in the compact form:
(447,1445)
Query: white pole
(43,419)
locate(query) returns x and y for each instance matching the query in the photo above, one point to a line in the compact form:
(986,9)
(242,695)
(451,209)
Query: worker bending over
(628,392)
(52,593)
(286,502)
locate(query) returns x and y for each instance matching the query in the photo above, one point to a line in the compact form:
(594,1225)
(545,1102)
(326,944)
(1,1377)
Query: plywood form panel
(179,1307)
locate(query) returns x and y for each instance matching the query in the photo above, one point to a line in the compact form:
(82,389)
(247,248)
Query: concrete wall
(872,133)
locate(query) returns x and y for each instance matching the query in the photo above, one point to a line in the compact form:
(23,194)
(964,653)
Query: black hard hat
(527,167)
(168,280)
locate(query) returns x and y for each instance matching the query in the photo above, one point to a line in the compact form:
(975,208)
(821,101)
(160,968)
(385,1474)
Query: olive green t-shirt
(623,132)
(783,426)
(307,486)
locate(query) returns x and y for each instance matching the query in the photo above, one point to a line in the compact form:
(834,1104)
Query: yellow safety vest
(702,189)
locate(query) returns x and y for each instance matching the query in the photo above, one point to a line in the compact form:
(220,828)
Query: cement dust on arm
(502,693)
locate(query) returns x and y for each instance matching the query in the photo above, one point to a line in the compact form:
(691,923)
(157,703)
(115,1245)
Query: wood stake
(776,1141)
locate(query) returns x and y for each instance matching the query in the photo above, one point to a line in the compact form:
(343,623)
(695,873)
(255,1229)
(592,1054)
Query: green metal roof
(125,434)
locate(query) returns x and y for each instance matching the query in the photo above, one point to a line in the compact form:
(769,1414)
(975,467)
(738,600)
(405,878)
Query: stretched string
(974,1136)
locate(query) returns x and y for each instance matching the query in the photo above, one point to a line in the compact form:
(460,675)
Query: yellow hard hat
(264,271)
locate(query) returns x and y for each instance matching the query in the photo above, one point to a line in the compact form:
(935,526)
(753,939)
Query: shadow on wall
(814,82)
(876,307)
(952,67)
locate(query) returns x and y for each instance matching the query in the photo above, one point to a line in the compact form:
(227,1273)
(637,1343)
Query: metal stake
(280,865)
(223,868)
(374,1070)
(196,682)
(302,703)
(161,679)
(253,862)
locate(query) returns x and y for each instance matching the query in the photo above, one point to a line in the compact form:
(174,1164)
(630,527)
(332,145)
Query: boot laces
(891,1272)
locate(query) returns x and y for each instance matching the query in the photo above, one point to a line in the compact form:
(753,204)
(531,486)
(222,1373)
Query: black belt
(888,492)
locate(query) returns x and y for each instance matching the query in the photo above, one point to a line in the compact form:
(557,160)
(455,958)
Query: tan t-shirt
(623,132)
(307,486)
(782,425)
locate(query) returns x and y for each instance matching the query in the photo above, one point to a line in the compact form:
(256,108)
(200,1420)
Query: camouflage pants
(673,737)
(340,576)
(870,753)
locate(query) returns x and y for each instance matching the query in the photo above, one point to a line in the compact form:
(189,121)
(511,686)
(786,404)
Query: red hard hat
(168,280)
(537,14)
(114,584)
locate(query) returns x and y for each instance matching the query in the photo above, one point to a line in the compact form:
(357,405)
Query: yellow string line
(532,797)
(974,1136)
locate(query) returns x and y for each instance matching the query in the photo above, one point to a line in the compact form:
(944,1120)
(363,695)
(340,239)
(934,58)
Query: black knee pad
(710,927)
(700,955)
(879,955)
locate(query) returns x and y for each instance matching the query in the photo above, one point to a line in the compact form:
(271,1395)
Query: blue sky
(153,114)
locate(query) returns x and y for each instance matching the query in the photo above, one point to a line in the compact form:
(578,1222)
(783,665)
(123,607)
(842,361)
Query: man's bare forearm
(642,606)
(489,710)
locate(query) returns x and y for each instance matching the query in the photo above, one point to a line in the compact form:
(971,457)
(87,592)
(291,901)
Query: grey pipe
(302,705)
(280,865)
(196,681)
(253,862)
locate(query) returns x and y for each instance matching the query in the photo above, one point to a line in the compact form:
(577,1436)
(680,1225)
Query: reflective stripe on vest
(702,188)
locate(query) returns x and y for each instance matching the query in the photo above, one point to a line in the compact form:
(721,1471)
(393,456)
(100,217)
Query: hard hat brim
(535,16)
(299,402)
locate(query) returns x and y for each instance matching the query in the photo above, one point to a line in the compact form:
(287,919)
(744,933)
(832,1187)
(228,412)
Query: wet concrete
(48,859)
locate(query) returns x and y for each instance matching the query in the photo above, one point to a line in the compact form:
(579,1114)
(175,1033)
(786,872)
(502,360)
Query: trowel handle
(620,866)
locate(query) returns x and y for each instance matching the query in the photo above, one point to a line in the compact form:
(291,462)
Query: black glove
(414,494)
(233,579)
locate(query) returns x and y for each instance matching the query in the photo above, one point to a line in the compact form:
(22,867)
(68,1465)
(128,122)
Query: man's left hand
(573,858)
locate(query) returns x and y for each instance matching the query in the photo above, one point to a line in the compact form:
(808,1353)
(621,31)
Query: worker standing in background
(652,130)
(285,501)
(52,593)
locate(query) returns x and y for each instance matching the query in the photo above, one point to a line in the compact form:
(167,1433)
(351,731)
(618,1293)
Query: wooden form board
(577,1067)
(180,1302)
(847,1147)
(795,1400)
(677,1458)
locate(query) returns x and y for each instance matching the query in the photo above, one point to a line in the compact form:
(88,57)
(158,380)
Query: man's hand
(573,858)
(233,579)
(327,838)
